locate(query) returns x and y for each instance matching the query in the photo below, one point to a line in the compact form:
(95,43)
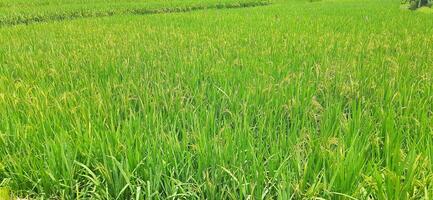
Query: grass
(4,194)
(294,100)
(49,10)
(425,10)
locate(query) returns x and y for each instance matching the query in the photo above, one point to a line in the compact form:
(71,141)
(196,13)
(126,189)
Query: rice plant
(292,100)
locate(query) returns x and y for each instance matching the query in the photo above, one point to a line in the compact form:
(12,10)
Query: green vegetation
(48,10)
(4,194)
(331,99)
(415,4)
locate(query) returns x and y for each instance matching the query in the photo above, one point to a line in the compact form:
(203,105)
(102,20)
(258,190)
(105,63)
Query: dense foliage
(332,99)
(414,4)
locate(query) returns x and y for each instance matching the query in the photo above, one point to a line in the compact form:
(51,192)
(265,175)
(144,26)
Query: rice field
(282,99)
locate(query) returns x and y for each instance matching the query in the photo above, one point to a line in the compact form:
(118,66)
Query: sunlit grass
(289,101)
